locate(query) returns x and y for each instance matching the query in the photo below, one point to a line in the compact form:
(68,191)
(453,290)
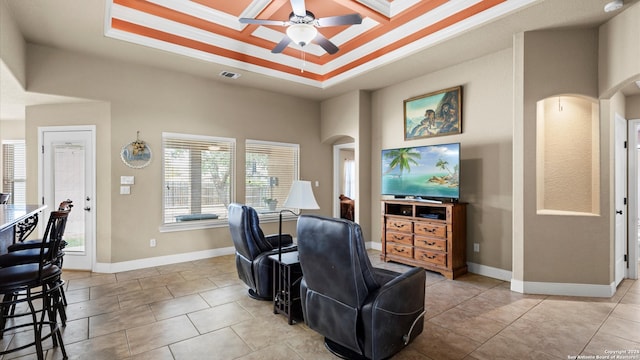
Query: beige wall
(562,249)
(153,101)
(349,115)
(12,45)
(632,109)
(619,54)
(486,155)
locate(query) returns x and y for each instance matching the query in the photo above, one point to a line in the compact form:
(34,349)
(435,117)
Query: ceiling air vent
(229,74)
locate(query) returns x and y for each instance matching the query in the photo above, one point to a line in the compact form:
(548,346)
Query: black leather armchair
(253,249)
(362,311)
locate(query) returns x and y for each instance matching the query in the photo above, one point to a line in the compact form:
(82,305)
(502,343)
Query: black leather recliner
(253,249)
(362,311)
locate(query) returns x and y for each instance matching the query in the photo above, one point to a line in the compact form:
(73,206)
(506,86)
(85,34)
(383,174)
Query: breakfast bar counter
(10,215)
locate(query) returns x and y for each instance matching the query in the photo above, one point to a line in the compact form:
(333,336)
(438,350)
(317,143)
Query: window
(14,173)
(271,168)
(198,177)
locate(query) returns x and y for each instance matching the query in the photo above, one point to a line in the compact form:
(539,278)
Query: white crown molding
(202,12)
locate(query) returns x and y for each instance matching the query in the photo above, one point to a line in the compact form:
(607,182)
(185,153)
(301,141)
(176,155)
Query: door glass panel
(68,183)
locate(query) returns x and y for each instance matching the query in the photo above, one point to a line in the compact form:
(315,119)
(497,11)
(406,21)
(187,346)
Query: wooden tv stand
(429,235)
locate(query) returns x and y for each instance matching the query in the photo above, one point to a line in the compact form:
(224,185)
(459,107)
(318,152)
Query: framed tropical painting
(435,114)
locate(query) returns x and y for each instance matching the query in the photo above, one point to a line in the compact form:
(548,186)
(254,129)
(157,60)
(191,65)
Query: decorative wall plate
(136,154)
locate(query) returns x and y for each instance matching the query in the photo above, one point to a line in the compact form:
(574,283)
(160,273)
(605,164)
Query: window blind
(271,168)
(14,173)
(198,173)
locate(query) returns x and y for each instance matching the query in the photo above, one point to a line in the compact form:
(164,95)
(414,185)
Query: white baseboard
(543,288)
(566,289)
(489,271)
(161,260)
(374,245)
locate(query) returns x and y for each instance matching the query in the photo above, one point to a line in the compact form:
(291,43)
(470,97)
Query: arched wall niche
(567,155)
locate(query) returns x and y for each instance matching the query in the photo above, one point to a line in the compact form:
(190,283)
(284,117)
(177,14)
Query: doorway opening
(344,181)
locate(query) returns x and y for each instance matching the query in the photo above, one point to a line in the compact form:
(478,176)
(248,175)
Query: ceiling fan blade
(350,19)
(299,8)
(327,45)
(263,22)
(286,40)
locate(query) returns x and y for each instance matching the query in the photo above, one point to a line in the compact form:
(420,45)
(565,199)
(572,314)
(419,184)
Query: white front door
(67,172)
(620,246)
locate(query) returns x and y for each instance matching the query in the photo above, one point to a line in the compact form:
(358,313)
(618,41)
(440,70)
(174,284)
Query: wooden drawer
(430,229)
(430,243)
(400,225)
(398,237)
(400,250)
(436,258)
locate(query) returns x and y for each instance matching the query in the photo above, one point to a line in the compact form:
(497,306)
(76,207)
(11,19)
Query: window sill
(193,225)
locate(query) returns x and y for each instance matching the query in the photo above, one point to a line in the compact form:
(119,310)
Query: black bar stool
(30,282)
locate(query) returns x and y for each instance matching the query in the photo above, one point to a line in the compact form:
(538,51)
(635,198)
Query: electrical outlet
(152,243)
(476,247)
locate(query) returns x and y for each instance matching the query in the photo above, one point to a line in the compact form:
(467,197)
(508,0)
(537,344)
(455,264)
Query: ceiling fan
(301,27)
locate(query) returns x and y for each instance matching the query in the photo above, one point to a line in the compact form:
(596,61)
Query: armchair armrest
(287,240)
(397,307)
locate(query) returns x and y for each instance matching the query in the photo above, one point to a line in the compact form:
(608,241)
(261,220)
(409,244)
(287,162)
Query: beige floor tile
(161,280)
(221,344)
(109,347)
(266,331)
(219,317)
(92,307)
(602,344)
(473,326)
(440,343)
(93,280)
(190,287)
(120,287)
(120,320)
(623,328)
(501,348)
(159,334)
(144,297)
(163,353)
(178,306)
(137,274)
(471,318)
(224,295)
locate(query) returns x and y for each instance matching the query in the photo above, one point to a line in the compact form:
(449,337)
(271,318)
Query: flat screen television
(430,172)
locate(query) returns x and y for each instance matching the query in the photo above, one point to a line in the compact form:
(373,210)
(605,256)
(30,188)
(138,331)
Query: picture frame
(136,155)
(437,113)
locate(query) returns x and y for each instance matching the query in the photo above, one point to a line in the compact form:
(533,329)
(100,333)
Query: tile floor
(200,310)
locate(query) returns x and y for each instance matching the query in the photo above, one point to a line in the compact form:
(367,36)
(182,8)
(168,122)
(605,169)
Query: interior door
(67,173)
(620,199)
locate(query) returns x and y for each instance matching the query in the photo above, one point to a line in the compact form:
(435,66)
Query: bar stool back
(28,283)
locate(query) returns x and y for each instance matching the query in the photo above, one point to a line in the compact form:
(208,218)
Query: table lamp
(300,197)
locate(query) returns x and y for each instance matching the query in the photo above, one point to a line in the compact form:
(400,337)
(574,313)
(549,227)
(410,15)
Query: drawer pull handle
(398,249)
(399,226)
(430,243)
(431,256)
(429,230)
(396,237)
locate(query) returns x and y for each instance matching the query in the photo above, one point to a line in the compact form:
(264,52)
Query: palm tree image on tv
(426,171)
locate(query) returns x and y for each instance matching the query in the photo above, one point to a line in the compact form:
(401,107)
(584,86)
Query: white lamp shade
(301,196)
(302,34)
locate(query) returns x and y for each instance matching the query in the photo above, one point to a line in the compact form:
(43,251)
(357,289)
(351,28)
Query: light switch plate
(125,190)
(127,180)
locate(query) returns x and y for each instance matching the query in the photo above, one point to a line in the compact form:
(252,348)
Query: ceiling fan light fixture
(302,34)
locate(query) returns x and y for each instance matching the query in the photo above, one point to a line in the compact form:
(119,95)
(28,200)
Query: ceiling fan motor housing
(307,19)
